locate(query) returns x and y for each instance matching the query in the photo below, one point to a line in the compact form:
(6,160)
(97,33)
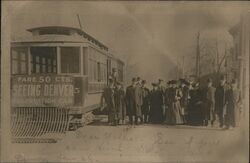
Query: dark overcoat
(120,103)
(130,100)
(138,100)
(145,100)
(108,96)
(232,99)
(196,107)
(220,99)
(156,110)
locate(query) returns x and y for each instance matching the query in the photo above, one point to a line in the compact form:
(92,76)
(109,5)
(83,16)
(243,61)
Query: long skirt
(175,113)
(121,113)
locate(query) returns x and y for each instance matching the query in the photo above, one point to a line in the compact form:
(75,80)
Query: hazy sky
(152,36)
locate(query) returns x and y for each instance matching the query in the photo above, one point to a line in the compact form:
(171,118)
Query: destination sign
(42,91)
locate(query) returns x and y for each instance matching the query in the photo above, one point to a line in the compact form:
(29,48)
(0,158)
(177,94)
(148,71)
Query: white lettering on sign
(58,90)
(44,79)
(26,90)
(42,90)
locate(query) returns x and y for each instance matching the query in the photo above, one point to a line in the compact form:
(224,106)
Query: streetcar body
(60,67)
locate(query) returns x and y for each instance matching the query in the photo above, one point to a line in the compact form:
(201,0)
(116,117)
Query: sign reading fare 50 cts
(42,90)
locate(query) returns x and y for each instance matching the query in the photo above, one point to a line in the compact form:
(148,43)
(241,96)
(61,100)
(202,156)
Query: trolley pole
(183,71)
(198,56)
(79,21)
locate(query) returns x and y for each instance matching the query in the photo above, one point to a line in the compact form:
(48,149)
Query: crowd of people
(174,103)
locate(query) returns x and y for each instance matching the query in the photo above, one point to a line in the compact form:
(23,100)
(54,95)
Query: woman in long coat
(175,107)
(184,99)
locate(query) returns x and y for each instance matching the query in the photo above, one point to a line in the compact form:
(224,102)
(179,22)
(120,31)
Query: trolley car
(58,74)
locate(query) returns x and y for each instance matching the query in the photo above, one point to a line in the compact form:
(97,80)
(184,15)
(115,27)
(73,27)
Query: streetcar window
(41,59)
(97,70)
(99,75)
(85,60)
(97,66)
(70,57)
(19,58)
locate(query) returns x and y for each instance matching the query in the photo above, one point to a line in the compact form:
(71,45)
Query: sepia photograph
(124,81)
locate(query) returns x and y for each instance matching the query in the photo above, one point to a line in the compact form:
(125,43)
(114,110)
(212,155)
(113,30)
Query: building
(237,66)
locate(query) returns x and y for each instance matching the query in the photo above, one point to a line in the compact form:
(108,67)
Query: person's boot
(212,123)
(136,120)
(141,120)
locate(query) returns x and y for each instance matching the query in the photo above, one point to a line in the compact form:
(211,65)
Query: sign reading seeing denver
(42,90)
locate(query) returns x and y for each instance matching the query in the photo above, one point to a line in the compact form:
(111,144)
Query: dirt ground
(99,142)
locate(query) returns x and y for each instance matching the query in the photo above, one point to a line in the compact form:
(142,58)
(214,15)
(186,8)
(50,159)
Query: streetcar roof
(49,38)
(59,37)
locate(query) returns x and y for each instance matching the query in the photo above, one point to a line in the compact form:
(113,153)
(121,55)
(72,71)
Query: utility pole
(217,56)
(183,73)
(198,56)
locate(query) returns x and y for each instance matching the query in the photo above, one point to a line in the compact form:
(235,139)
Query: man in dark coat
(108,97)
(209,103)
(145,102)
(138,101)
(196,109)
(156,111)
(220,101)
(130,100)
(120,103)
(167,102)
(232,100)
(162,89)
(184,99)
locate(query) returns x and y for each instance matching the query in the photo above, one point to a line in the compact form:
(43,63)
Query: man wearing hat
(130,100)
(209,103)
(145,102)
(220,100)
(108,97)
(162,91)
(138,101)
(184,99)
(233,102)
(120,103)
(167,102)
(113,75)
